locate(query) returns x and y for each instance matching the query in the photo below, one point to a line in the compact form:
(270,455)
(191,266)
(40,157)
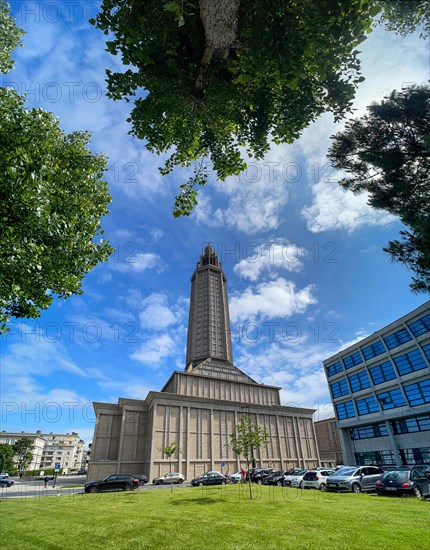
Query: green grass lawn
(215,518)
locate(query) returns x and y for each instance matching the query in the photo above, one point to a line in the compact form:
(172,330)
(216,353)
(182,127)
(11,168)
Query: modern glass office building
(380,388)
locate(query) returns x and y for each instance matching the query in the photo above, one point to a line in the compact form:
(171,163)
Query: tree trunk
(220,20)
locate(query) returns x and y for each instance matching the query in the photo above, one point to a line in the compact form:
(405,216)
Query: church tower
(209,322)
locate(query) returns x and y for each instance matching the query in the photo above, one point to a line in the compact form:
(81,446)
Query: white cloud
(137,262)
(155,313)
(336,208)
(269,257)
(278,298)
(155,350)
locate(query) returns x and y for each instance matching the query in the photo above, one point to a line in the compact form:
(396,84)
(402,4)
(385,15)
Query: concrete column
(394,446)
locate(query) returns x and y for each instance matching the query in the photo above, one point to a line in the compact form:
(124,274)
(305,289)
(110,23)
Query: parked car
(210,478)
(354,478)
(6,482)
(412,482)
(316,479)
(277,478)
(4,474)
(142,478)
(114,482)
(174,477)
(260,473)
(293,473)
(236,477)
(297,480)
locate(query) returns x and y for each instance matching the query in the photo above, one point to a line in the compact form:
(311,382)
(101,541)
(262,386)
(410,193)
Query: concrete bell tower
(209,321)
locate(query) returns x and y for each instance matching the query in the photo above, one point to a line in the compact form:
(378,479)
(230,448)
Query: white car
(236,477)
(316,479)
(289,477)
(4,475)
(174,477)
(297,481)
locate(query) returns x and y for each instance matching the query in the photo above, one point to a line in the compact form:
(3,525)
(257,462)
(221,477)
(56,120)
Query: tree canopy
(10,37)
(246,439)
(23,449)
(52,197)
(217,81)
(387,153)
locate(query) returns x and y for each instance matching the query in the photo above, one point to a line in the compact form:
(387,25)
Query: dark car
(6,482)
(142,478)
(276,478)
(260,473)
(403,482)
(354,478)
(112,483)
(210,478)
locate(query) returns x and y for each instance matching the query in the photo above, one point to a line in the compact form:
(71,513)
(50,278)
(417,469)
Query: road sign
(57,467)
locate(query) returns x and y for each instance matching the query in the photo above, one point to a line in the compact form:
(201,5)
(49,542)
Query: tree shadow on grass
(194,501)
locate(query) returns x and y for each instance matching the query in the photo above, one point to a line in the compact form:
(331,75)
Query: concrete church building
(200,406)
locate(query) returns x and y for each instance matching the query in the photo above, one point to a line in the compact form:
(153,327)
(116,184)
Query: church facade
(200,407)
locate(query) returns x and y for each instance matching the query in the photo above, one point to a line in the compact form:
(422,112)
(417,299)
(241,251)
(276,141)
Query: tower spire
(209,320)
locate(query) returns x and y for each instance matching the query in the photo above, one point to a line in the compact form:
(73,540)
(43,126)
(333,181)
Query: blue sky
(303,258)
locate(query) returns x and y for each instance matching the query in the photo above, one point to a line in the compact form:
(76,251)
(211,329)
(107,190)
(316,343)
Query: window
(374,349)
(412,424)
(339,388)
(383,372)
(391,399)
(384,458)
(352,360)
(421,326)
(397,338)
(359,381)
(335,368)
(410,362)
(426,350)
(369,431)
(419,393)
(345,410)
(367,406)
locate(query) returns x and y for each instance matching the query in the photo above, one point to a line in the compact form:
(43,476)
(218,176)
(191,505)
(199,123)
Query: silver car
(354,478)
(174,477)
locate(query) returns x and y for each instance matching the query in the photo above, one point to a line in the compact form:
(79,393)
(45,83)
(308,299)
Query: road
(65,485)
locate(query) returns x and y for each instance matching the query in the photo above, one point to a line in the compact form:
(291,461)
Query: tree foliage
(387,153)
(217,81)
(23,449)
(246,439)
(405,16)
(52,197)
(10,37)
(6,458)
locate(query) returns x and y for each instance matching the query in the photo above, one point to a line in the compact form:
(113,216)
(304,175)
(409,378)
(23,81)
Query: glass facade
(335,368)
(412,424)
(339,388)
(426,350)
(367,405)
(373,350)
(381,394)
(359,381)
(397,338)
(345,410)
(410,362)
(421,326)
(352,360)
(418,393)
(382,458)
(382,373)
(369,431)
(391,399)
